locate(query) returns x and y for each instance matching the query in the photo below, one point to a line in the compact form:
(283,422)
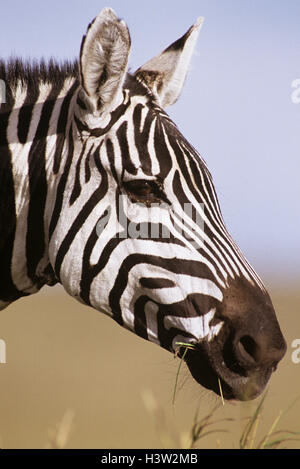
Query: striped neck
(34,123)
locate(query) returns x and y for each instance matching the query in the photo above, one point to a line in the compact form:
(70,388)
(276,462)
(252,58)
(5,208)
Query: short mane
(31,73)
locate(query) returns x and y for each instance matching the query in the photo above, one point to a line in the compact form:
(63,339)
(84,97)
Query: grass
(271,439)
(221,392)
(103,385)
(203,427)
(186,347)
(59,436)
(249,438)
(252,436)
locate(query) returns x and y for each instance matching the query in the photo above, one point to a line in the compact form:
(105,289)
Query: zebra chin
(210,371)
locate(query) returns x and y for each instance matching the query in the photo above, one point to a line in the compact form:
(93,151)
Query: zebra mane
(36,71)
(31,73)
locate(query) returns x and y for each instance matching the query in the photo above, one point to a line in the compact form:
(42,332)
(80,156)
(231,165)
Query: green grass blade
(251,424)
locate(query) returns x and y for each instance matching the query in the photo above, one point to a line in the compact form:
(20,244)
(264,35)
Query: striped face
(152,250)
(149,260)
(133,225)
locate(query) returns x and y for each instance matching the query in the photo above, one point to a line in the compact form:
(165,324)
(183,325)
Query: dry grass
(250,438)
(201,427)
(62,355)
(272,438)
(186,347)
(59,436)
(204,426)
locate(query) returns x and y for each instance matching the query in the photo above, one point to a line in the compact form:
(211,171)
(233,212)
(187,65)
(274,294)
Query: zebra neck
(32,137)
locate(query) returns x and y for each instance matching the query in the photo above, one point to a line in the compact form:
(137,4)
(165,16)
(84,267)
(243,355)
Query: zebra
(87,150)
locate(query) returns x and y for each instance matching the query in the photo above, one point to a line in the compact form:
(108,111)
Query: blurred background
(66,361)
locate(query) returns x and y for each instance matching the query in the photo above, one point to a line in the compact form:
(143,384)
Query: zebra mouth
(215,371)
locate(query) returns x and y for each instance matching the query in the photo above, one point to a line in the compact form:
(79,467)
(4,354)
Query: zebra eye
(143,191)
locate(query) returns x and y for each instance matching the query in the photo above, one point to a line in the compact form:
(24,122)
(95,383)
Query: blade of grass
(270,432)
(200,427)
(263,443)
(177,375)
(187,347)
(255,427)
(275,443)
(221,392)
(249,426)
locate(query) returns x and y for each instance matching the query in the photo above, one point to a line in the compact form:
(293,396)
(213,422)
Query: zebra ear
(104,57)
(165,74)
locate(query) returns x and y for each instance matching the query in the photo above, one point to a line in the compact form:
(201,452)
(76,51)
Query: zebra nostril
(247,351)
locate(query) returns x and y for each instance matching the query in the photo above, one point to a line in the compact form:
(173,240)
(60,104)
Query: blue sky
(236,108)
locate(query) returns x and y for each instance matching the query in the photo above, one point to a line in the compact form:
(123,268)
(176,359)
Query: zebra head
(138,233)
